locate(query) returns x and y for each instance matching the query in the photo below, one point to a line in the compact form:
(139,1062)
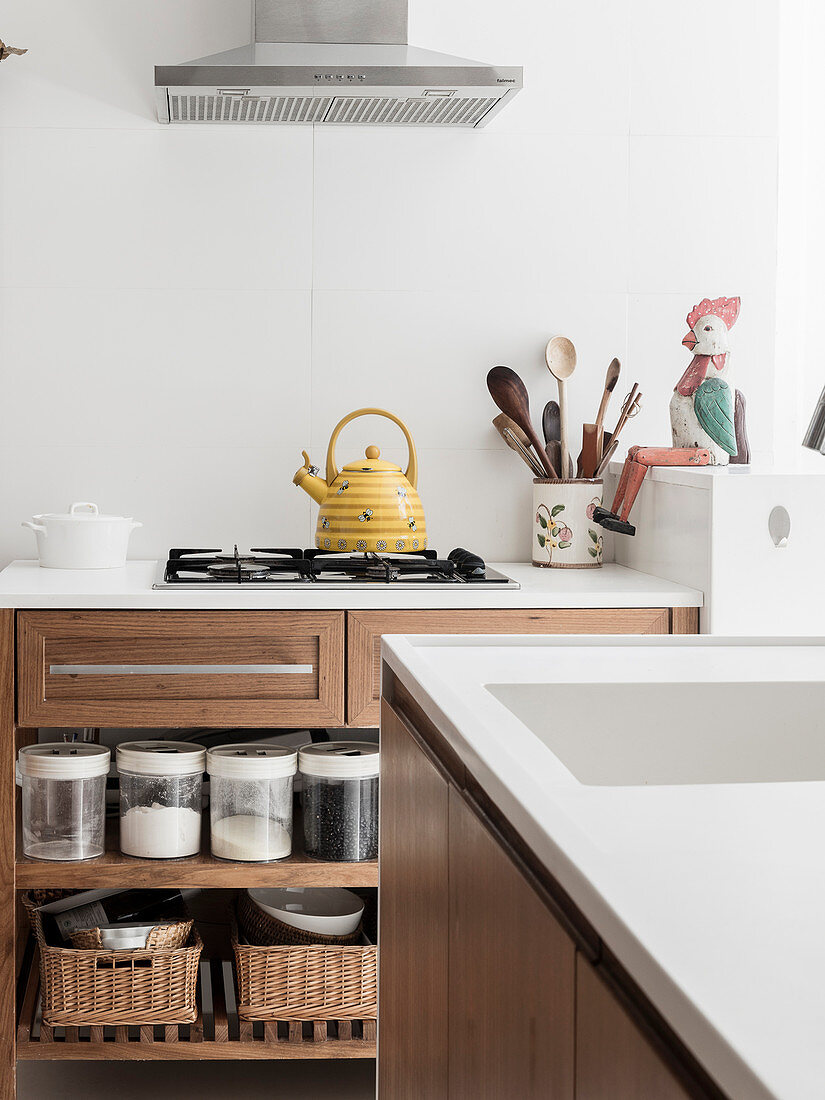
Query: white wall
(185,309)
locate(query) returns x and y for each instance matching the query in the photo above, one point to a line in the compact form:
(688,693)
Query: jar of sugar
(160,798)
(251,801)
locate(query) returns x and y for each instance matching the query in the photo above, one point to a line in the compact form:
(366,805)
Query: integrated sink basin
(656,734)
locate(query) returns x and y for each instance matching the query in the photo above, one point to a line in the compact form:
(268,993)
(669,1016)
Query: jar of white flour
(160,798)
(251,801)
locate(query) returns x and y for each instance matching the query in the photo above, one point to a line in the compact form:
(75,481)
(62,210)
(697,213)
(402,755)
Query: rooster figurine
(702,409)
(707,417)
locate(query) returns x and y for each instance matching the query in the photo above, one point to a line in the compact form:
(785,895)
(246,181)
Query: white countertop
(712,895)
(25,584)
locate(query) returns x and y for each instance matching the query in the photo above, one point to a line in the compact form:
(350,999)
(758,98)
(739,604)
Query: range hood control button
(442,93)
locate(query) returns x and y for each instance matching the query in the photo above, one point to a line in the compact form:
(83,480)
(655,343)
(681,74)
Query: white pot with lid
(82,538)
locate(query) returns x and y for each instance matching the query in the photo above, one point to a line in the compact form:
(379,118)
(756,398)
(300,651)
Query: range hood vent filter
(333,62)
(360,110)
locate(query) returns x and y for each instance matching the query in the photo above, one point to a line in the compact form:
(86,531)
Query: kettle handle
(412,469)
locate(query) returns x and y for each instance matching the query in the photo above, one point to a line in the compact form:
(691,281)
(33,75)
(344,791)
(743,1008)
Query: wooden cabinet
(364,630)
(613,1057)
(492,985)
(476,977)
(511,976)
(180,668)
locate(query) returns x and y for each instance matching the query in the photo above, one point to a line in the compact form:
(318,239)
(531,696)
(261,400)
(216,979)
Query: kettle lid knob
(373,452)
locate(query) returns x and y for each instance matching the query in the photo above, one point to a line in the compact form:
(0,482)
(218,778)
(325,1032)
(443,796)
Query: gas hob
(199,569)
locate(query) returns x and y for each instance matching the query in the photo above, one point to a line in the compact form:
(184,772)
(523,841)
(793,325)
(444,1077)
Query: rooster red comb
(726,308)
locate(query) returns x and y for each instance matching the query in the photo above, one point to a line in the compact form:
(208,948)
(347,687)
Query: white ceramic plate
(328,910)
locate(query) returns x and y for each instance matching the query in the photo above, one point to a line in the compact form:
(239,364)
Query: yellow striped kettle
(370,505)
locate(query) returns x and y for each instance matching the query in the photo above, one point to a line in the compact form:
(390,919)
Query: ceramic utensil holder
(564,534)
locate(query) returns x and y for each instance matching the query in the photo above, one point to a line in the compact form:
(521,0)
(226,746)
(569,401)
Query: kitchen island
(669,857)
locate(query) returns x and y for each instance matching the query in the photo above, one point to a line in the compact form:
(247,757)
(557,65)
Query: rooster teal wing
(713,405)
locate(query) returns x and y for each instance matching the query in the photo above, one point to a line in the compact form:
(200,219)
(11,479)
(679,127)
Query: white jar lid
(252,761)
(64,760)
(339,759)
(160,758)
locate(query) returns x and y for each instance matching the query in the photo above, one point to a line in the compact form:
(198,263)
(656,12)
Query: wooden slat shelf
(114,869)
(218,1033)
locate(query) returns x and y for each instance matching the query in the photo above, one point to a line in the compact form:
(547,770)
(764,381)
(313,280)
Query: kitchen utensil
(510,394)
(606,457)
(560,356)
(328,910)
(551,422)
(593,434)
(611,378)
(551,426)
(369,505)
(82,538)
(553,450)
(630,407)
(517,441)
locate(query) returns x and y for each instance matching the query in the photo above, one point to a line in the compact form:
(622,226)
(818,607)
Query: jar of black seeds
(340,800)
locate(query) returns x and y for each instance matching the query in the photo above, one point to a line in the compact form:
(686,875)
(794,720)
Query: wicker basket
(307,982)
(264,930)
(161,937)
(149,986)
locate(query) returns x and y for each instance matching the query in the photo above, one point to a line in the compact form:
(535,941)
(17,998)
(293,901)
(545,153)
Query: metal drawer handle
(178,670)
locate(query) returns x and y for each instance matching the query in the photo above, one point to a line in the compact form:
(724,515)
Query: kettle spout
(307,478)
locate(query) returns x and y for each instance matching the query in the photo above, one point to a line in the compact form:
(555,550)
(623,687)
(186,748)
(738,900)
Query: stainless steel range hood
(334,62)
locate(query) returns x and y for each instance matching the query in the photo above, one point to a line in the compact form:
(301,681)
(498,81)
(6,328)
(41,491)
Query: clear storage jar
(64,800)
(161,785)
(340,800)
(250,798)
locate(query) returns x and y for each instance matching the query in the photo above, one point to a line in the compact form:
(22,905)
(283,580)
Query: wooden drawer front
(180,668)
(364,630)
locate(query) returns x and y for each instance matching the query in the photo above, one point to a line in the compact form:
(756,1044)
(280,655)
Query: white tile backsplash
(116,367)
(183,310)
(714,71)
(429,210)
(703,212)
(168,207)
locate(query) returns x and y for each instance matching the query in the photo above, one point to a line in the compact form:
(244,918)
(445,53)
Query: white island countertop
(24,584)
(706,880)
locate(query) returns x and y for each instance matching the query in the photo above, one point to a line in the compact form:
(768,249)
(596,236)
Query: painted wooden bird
(704,410)
(7,51)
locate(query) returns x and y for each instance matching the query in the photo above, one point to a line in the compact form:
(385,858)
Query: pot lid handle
(411,473)
(78,504)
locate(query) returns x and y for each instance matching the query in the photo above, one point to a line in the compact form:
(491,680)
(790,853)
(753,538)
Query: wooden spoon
(611,378)
(560,356)
(551,422)
(592,434)
(510,394)
(551,426)
(517,441)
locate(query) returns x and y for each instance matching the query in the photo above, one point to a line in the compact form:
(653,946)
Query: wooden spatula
(592,434)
